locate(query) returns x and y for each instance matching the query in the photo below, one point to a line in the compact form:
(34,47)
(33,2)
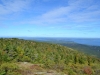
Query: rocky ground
(36,69)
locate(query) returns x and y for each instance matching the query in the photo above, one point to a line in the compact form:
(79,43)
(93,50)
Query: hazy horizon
(47,37)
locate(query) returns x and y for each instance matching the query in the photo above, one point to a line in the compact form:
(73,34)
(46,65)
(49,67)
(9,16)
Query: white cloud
(56,13)
(76,11)
(12,6)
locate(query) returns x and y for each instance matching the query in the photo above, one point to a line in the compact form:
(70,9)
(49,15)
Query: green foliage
(53,56)
(91,50)
(71,72)
(9,69)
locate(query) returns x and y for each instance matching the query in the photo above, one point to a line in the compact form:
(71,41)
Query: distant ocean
(87,41)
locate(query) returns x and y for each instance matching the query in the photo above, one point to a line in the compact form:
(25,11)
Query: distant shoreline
(86,41)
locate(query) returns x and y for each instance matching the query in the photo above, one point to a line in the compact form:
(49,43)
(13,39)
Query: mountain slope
(50,56)
(91,50)
(88,49)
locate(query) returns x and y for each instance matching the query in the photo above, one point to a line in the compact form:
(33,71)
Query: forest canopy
(51,56)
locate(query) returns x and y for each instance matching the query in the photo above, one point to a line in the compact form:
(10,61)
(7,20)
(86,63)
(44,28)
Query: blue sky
(50,18)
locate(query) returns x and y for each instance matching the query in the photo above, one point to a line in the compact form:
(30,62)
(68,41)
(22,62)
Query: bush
(87,70)
(9,69)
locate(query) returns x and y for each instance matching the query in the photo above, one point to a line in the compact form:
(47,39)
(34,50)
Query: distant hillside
(91,50)
(42,57)
(88,49)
